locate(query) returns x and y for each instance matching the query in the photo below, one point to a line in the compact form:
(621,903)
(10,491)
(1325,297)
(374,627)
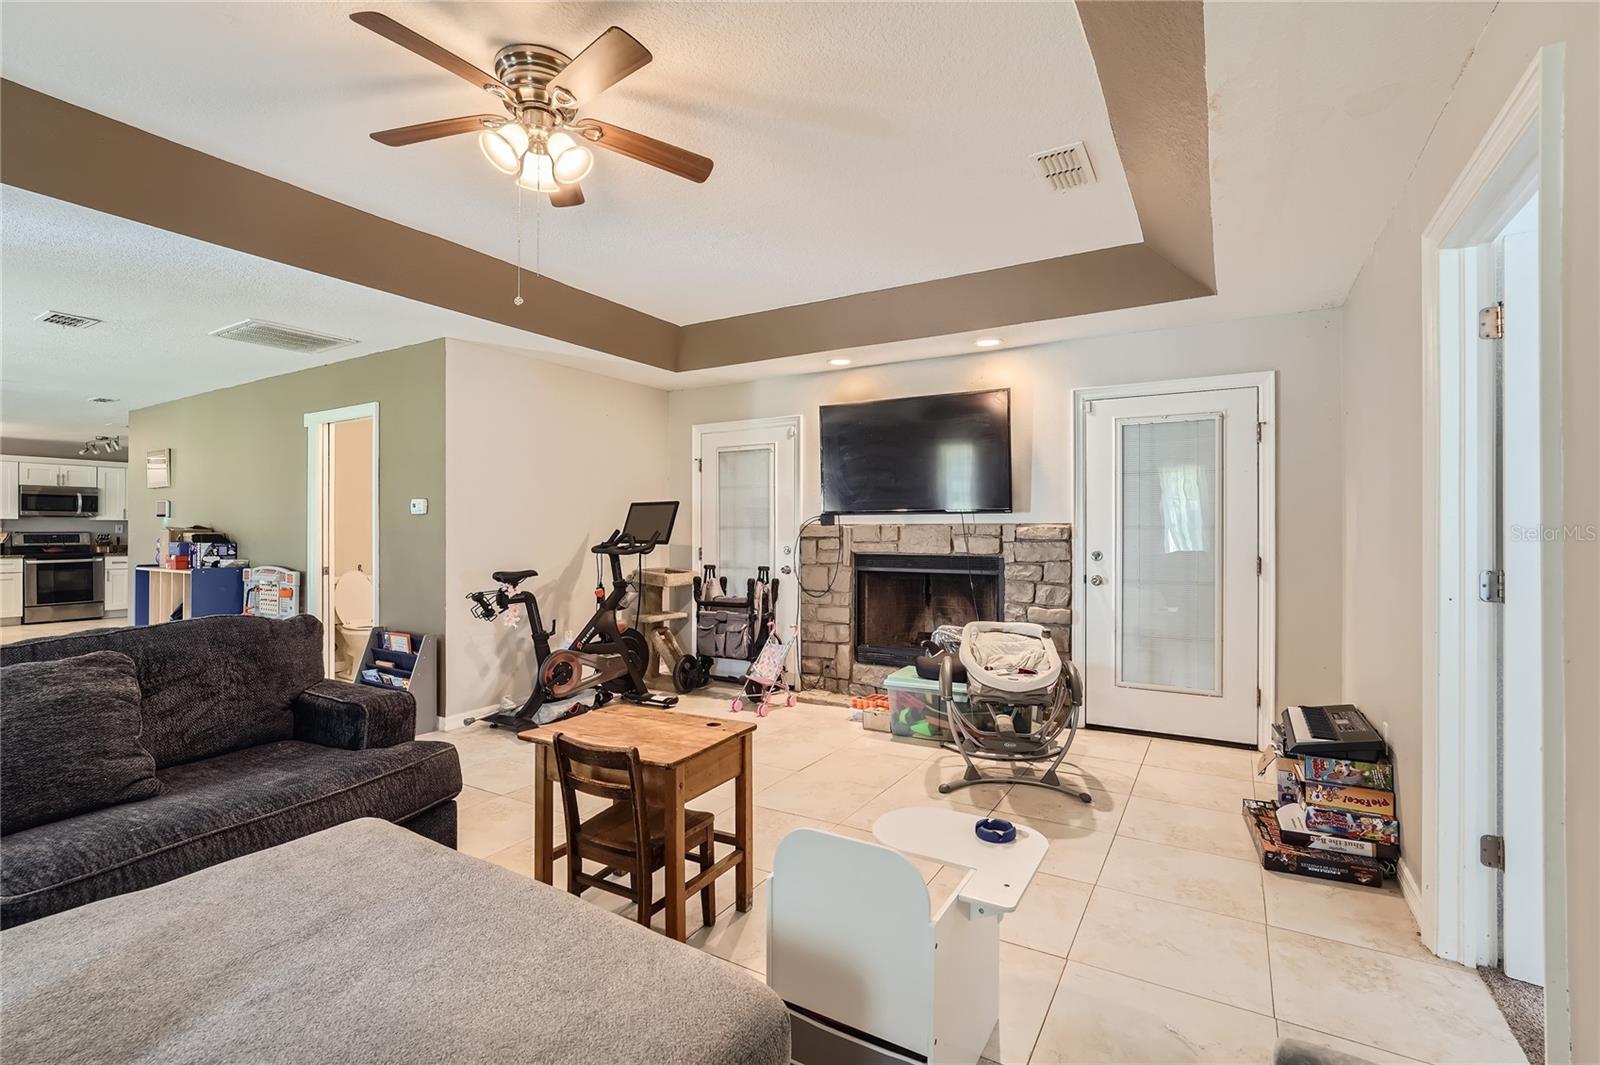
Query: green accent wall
(239,465)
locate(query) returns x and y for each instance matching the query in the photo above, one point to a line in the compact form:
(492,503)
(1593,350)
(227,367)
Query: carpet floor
(1522,1005)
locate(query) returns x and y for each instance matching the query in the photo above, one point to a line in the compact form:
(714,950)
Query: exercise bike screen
(651,519)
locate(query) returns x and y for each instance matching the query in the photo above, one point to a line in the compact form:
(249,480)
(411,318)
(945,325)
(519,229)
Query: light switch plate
(419,506)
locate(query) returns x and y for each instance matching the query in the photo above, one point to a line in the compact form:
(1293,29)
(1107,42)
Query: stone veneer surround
(1038,587)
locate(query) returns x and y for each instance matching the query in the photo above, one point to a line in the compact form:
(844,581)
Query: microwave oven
(55,501)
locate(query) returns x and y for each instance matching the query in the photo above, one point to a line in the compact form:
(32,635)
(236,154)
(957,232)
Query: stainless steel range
(63,578)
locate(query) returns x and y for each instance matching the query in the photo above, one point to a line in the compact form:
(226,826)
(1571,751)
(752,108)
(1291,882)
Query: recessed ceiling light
(101,399)
(838,362)
(988,342)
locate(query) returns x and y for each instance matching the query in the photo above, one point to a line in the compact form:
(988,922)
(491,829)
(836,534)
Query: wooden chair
(630,837)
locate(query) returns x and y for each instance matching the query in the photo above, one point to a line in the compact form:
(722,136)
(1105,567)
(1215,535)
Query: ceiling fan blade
(566,196)
(675,160)
(609,58)
(427,131)
(384,26)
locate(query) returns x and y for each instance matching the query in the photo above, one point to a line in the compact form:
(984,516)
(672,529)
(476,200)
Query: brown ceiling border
(54,148)
(1150,59)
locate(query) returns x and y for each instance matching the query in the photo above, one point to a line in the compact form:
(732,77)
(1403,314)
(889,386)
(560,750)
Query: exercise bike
(606,657)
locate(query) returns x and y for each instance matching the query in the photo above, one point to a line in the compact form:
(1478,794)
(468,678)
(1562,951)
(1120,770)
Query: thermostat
(419,506)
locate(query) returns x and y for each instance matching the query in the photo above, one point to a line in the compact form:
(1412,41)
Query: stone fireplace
(870,593)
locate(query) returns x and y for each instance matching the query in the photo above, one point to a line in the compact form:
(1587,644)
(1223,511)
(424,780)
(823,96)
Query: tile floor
(1150,933)
(17,633)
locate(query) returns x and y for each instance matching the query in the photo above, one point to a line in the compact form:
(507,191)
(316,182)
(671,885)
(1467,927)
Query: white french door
(747,479)
(1170,563)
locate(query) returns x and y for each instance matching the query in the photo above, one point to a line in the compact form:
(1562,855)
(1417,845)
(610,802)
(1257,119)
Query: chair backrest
(605,772)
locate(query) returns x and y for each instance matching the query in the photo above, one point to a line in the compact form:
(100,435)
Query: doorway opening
(1173,519)
(1494,866)
(342,532)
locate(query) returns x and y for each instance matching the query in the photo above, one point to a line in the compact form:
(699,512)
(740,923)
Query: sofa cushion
(210,685)
(213,810)
(69,739)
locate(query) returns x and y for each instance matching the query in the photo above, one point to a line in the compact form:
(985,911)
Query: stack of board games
(1334,818)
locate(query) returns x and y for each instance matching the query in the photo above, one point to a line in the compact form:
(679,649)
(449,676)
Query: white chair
(868,974)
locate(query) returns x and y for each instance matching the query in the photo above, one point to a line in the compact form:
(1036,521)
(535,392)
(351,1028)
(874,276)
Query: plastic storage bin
(916,708)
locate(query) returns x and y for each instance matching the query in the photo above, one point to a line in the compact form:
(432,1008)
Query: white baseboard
(455,721)
(1411,891)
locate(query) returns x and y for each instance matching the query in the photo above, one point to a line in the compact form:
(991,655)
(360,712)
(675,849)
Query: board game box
(1350,824)
(1280,855)
(1292,823)
(1341,797)
(1378,775)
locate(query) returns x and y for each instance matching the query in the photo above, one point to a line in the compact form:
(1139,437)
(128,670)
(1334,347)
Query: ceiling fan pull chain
(518,301)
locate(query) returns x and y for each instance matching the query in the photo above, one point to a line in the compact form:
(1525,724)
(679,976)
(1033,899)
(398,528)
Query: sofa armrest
(354,716)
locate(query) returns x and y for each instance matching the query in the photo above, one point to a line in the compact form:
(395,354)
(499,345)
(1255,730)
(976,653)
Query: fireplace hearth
(901,599)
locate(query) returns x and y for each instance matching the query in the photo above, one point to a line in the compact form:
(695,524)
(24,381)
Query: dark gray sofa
(252,748)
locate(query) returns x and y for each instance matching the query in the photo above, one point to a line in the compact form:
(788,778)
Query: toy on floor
(764,683)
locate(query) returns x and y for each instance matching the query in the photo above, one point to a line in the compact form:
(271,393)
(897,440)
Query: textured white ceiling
(160,295)
(857,146)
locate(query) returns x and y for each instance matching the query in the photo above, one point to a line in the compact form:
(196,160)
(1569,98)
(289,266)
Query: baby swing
(1020,697)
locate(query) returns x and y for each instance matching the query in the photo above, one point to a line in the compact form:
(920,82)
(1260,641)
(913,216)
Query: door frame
(697,434)
(1457,903)
(319,437)
(1265,383)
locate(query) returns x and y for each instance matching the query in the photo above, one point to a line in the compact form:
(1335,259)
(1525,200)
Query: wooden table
(684,756)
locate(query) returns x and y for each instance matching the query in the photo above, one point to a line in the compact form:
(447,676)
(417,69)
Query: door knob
(1097,580)
(1095,556)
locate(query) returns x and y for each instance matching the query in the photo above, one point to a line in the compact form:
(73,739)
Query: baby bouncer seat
(1020,699)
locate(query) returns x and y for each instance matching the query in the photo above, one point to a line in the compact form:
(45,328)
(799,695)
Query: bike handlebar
(620,543)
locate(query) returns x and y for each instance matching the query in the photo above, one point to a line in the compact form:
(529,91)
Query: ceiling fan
(540,139)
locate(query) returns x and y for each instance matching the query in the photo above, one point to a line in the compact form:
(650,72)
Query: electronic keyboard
(1330,730)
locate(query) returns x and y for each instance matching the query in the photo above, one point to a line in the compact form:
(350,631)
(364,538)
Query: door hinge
(699,554)
(1258,565)
(1492,851)
(1492,322)
(1492,586)
(698,466)
(1260,426)
(1258,698)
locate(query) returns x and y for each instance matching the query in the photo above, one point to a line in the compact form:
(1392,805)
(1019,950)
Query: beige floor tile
(739,937)
(942,885)
(770,827)
(1266,790)
(1076,851)
(1365,917)
(493,826)
(791,754)
(1027,979)
(1117,746)
(1222,794)
(1190,827)
(1099,774)
(471,797)
(720,800)
(927,868)
(1423,1011)
(857,766)
(1104,1017)
(1208,758)
(830,801)
(1227,886)
(890,746)
(1344,1046)
(1205,954)
(1049,914)
(501,774)
(920,787)
(1031,805)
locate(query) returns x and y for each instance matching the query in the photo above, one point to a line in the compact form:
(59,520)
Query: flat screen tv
(922,455)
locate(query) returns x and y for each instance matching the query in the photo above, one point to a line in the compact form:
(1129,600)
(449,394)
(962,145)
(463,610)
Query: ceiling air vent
(277,335)
(67,321)
(1065,168)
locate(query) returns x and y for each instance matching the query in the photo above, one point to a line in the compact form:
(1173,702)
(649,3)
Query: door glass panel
(744,513)
(1169,569)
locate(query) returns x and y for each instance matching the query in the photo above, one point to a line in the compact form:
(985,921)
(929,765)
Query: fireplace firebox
(901,599)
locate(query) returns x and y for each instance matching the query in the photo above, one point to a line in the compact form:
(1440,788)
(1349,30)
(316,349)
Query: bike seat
(513,577)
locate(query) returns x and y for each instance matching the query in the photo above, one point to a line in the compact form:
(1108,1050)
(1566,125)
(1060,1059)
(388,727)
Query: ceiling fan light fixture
(504,147)
(572,160)
(538,173)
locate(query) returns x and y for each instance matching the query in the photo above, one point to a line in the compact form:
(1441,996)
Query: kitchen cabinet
(60,474)
(113,487)
(117,577)
(9,483)
(10,588)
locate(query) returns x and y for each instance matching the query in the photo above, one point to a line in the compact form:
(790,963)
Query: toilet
(352,616)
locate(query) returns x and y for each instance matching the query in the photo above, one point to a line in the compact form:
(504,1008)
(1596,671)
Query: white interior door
(748,481)
(1171,564)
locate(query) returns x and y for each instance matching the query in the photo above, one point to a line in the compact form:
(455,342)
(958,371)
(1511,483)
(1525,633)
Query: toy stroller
(764,683)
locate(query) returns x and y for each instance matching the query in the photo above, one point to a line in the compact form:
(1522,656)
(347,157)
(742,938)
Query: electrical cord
(832,576)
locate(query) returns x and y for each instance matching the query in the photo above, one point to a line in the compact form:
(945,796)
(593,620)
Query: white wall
(1387,619)
(1303,348)
(541,462)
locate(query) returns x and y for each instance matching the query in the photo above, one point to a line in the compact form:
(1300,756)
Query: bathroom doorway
(342,531)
